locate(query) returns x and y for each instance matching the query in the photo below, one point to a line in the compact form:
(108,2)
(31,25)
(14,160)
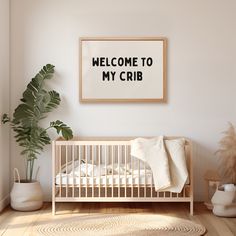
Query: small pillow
(69,166)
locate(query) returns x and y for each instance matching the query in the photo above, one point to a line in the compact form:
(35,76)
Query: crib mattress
(109,180)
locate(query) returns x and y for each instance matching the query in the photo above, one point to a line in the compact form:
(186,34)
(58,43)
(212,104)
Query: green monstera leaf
(36,101)
(35,104)
(63,129)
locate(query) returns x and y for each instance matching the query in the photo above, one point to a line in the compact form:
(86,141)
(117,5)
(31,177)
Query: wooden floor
(21,223)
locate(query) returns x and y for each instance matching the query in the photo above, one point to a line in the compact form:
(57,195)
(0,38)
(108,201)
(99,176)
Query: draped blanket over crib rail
(166,159)
(88,169)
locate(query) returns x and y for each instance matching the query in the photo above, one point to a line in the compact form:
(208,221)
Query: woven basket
(224,203)
(26,196)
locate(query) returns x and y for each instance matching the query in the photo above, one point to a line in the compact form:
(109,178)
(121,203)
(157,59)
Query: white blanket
(166,159)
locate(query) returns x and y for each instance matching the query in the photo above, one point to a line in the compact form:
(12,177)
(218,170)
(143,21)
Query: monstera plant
(36,103)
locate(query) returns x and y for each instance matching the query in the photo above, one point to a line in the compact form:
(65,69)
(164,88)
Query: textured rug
(126,224)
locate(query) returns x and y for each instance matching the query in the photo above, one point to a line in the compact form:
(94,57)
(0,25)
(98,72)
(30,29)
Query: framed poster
(123,69)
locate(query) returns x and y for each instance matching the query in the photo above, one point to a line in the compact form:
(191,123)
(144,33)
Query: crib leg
(53,208)
(191,207)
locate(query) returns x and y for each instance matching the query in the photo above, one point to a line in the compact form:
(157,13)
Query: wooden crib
(100,169)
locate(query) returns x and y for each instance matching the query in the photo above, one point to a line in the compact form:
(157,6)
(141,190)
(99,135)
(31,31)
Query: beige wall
(201,69)
(4,102)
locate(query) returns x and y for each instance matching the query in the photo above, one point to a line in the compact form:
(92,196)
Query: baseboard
(4,202)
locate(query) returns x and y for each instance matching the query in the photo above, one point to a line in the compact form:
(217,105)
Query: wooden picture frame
(122,69)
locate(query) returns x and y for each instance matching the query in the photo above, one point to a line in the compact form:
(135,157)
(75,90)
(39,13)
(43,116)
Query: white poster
(122,69)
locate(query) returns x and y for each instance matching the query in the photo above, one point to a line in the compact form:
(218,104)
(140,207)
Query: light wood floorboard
(13,223)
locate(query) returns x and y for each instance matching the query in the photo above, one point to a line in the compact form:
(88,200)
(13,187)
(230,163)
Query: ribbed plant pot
(26,196)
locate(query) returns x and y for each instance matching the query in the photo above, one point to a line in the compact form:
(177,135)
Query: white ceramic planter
(26,196)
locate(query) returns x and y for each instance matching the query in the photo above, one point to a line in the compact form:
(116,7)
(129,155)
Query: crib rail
(102,169)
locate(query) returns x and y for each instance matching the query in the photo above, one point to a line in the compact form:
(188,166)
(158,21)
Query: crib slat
(125,171)
(106,170)
(80,150)
(73,170)
(118,153)
(138,177)
(66,171)
(92,154)
(145,181)
(132,185)
(86,159)
(151,185)
(99,162)
(112,163)
(60,171)
(112,160)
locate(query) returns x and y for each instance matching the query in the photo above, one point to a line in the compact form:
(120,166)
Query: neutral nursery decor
(224,199)
(36,103)
(103,169)
(123,69)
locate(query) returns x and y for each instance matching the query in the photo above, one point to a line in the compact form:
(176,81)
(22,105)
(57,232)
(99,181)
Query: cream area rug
(125,224)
